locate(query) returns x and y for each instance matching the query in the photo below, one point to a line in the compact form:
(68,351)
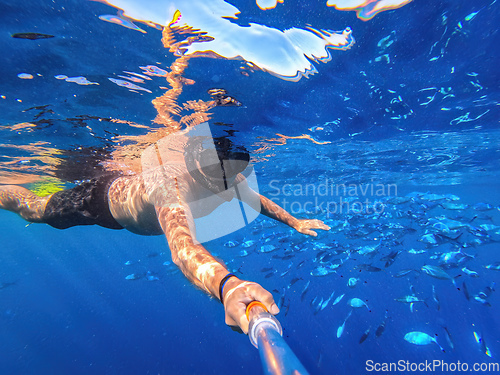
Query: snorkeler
(165,200)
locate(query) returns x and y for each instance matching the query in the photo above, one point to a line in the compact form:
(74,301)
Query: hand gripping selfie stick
(265,334)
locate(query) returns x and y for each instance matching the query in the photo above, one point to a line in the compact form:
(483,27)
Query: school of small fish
(447,237)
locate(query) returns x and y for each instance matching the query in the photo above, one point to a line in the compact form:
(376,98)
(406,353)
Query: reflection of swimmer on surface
(165,200)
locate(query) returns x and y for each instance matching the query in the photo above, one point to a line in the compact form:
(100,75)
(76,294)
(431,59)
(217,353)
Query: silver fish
(438,273)
(338,299)
(435,297)
(304,291)
(448,337)
(493,266)
(469,272)
(466,291)
(340,330)
(364,336)
(352,282)
(403,273)
(411,300)
(421,338)
(482,343)
(381,327)
(357,303)
(325,303)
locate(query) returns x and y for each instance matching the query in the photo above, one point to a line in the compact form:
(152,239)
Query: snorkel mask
(213,163)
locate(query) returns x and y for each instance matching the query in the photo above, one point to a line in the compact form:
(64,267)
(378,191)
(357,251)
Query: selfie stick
(265,334)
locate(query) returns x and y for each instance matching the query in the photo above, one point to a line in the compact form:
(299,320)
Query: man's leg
(23,202)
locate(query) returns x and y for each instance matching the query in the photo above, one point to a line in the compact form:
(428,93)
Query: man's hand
(238,294)
(304,226)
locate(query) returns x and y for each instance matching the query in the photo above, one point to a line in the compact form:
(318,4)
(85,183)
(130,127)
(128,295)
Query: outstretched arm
(204,271)
(274,211)
(195,262)
(305,226)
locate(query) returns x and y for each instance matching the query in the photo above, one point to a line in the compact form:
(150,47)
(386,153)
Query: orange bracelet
(253,304)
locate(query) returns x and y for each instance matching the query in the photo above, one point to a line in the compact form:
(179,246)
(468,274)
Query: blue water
(70,308)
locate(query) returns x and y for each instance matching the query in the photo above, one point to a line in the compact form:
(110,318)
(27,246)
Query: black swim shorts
(85,204)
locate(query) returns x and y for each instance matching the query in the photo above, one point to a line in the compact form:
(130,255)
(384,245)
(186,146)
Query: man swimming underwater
(166,200)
